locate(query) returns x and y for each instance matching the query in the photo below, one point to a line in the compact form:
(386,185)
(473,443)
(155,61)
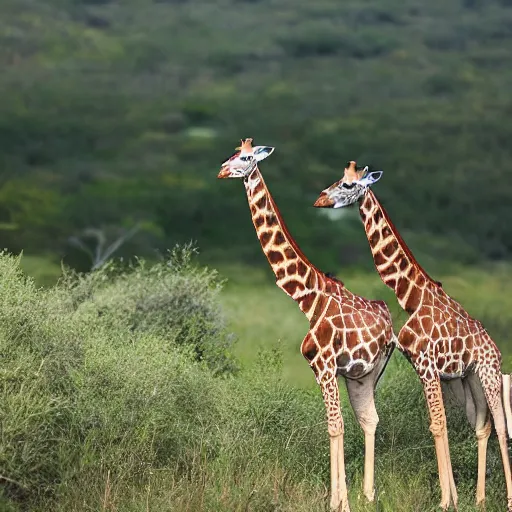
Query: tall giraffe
(440,338)
(348,335)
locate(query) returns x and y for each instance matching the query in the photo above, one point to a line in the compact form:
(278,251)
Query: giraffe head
(349,189)
(243,162)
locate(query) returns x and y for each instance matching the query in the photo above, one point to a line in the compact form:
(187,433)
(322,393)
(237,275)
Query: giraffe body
(439,337)
(349,336)
(442,341)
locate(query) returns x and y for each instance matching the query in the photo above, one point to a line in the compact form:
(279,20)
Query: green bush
(100,380)
(93,368)
(172,300)
(38,351)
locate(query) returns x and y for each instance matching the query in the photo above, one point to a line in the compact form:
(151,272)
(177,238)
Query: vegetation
(119,391)
(117,114)
(149,386)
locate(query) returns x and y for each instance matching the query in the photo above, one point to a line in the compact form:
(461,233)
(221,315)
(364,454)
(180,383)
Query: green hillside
(118,113)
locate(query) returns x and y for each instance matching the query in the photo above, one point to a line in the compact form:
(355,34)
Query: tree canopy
(118,113)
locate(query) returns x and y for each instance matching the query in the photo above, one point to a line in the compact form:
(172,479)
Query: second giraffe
(441,340)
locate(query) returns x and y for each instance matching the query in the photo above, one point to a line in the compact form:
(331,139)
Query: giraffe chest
(349,336)
(350,355)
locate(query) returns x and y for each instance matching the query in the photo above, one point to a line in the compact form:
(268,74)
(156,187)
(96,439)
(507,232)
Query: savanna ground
(125,390)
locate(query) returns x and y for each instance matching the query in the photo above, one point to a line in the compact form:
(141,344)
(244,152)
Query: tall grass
(119,392)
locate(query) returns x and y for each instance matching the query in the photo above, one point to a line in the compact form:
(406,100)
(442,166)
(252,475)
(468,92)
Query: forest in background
(115,116)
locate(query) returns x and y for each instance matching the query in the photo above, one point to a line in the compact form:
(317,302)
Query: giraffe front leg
(329,385)
(482,436)
(434,397)
(453,490)
(362,399)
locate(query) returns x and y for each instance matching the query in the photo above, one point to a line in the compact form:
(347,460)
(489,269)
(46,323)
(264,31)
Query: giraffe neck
(394,261)
(295,275)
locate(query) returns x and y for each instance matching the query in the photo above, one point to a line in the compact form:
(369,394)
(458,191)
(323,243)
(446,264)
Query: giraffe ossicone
(443,342)
(349,335)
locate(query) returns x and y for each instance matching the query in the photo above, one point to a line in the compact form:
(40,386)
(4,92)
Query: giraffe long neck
(394,261)
(295,275)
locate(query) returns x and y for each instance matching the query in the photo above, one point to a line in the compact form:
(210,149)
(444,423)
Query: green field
(151,386)
(125,391)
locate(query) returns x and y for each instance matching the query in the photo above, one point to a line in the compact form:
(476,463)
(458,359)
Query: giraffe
(348,335)
(442,341)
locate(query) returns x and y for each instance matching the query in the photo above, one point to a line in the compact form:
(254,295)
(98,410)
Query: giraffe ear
(370,178)
(261,152)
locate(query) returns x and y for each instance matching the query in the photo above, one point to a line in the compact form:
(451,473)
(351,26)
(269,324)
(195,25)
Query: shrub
(38,352)
(94,369)
(173,300)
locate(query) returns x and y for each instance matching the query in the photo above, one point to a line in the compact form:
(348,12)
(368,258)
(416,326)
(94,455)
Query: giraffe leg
(458,389)
(434,397)
(505,377)
(482,427)
(361,396)
(506,403)
(339,495)
(469,403)
(491,383)
(453,489)
(329,385)
(482,436)
(455,389)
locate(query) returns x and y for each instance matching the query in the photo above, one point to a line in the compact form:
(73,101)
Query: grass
(263,318)
(42,268)
(106,404)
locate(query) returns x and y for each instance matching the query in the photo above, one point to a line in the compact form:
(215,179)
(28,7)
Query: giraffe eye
(246,158)
(348,185)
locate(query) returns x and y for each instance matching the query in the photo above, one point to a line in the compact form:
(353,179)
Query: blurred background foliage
(115,114)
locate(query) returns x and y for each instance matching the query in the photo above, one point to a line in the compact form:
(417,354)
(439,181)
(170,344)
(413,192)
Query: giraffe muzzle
(323,201)
(224,173)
